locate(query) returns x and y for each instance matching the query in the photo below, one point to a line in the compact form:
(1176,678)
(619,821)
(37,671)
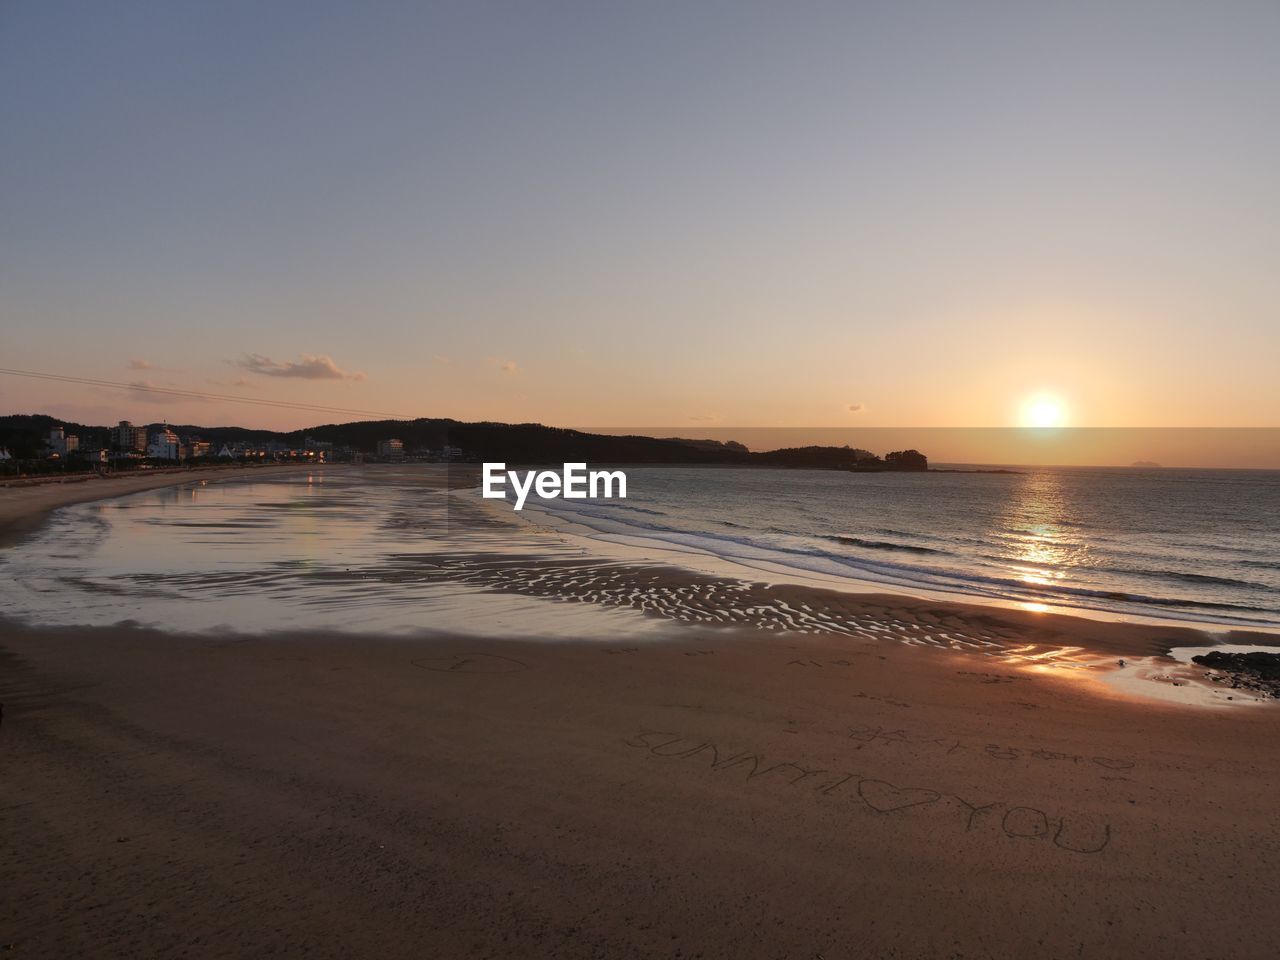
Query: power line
(197,395)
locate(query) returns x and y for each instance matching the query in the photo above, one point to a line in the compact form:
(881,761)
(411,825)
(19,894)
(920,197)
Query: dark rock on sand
(1257,670)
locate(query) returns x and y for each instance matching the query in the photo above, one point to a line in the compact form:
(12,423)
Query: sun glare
(1043,411)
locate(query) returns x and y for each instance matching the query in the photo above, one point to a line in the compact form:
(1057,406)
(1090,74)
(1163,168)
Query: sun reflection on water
(1041,547)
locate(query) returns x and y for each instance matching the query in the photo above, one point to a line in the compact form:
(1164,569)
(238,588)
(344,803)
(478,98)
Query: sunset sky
(699,214)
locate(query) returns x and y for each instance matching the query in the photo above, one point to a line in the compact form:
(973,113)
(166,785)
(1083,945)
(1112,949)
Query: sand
(718,792)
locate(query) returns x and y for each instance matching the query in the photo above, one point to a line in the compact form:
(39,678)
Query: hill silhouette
(518,443)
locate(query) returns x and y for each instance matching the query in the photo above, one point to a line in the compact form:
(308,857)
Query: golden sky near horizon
(863,217)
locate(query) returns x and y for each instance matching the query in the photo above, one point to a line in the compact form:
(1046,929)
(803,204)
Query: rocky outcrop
(906,460)
(1257,670)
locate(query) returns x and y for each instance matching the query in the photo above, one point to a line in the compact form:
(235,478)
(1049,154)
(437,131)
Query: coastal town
(130,446)
(41,445)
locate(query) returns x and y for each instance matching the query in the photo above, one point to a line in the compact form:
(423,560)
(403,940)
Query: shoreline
(608,583)
(623,545)
(24,506)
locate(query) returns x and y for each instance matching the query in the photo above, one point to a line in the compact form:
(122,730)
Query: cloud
(855,408)
(137,363)
(312,367)
(506,366)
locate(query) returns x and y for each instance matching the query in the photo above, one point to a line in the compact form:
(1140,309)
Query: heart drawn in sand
(883,797)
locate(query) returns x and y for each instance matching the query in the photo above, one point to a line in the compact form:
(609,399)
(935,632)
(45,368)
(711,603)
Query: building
(391,449)
(239,450)
(60,443)
(128,438)
(196,448)
(164,445)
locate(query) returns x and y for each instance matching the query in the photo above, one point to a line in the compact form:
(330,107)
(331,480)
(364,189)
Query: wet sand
(777,771)
(25,503)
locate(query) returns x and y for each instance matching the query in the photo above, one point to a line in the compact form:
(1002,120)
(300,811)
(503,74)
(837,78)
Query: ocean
(1171,544)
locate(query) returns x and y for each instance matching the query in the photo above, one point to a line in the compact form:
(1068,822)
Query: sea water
(1195,545)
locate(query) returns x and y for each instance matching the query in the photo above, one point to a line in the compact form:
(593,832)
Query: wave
(879,544)
(974,554)
(949,579)
(211,524)
(1205,579)
(1180,576)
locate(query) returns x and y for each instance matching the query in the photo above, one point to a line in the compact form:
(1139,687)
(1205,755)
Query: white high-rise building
(61,443)
(164,445)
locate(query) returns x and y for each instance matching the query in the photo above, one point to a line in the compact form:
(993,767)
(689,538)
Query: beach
(709,767)
(600,481)
(24,502)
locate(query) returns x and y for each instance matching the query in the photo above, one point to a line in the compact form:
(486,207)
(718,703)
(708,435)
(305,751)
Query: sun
(1044,411)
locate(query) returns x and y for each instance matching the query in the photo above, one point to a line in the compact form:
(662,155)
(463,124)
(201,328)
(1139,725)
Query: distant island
(1146,465)
(39,439)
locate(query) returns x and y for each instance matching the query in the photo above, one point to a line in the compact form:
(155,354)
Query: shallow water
(339,549)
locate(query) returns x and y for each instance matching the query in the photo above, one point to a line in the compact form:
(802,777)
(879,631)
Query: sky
(694,214)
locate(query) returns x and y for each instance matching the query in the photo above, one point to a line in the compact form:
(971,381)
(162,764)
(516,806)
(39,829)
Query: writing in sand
(1074,834)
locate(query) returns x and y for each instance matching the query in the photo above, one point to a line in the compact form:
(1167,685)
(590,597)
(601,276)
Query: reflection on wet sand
(334,551)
